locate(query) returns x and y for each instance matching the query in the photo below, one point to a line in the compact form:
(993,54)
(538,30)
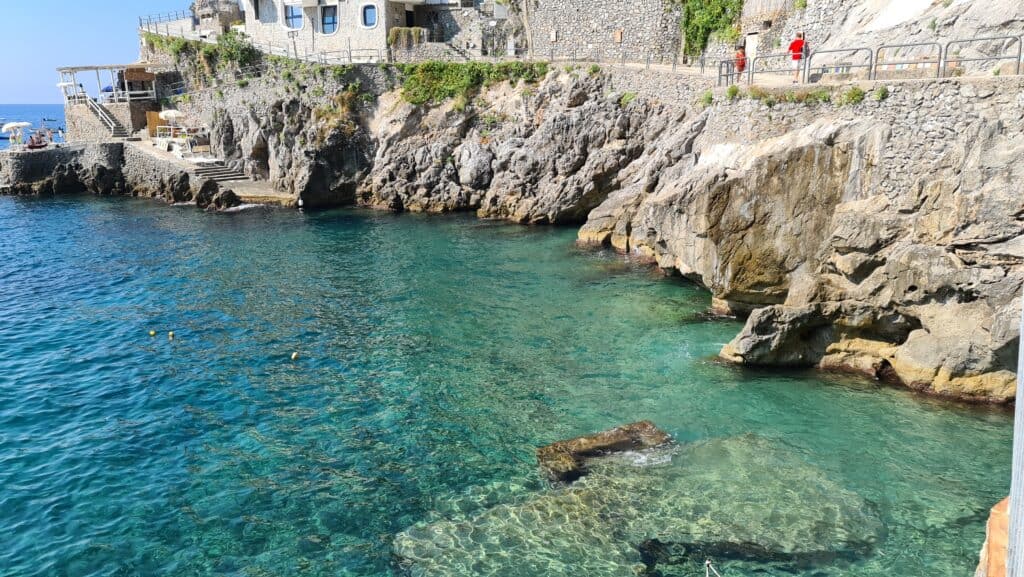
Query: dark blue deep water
(435,354)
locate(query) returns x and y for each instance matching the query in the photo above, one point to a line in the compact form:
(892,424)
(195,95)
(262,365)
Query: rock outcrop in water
(657,512)
(565,461)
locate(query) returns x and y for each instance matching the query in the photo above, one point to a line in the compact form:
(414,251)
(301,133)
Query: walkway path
(248,191)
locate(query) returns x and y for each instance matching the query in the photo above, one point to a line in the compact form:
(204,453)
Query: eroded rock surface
(642,512)
(565,461)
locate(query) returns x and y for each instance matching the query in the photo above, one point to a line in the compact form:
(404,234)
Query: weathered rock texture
(878,238)
(109,169)
(659,512)
(565,461)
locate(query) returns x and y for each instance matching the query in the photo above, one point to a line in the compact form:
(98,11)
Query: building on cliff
(365,30)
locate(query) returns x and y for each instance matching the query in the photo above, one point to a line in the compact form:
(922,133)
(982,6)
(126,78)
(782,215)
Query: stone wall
(131,115)
(589,28)
(83,125)
(924,118)
(676,90)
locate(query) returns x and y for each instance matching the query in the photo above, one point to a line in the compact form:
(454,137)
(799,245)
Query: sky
(41,35)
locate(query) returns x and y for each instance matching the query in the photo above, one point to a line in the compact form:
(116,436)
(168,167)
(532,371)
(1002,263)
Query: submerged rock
(565,461)
(642,512)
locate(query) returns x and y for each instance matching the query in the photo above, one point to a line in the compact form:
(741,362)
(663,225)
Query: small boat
(49,120)
(4,137)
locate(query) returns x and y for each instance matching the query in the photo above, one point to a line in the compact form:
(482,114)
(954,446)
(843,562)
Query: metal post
(1015,543)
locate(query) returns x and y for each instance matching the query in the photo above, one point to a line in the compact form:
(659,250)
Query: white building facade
(359,27)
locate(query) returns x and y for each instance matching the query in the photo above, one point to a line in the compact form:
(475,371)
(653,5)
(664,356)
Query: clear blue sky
(40,35)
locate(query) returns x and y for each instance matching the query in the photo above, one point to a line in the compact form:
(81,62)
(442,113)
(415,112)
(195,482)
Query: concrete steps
(219,172)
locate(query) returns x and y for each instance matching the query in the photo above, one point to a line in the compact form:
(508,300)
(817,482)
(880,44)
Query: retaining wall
(589,28)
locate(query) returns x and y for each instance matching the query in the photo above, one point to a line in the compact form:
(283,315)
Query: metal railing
(928,62)
(785,56)
(1016,58)
(840,67)
(153,19)
(103,115)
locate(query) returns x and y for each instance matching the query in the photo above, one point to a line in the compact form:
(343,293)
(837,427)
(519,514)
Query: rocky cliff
(878,233)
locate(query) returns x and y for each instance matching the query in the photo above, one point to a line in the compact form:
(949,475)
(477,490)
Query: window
(293,17)
(369,16)
(329,19)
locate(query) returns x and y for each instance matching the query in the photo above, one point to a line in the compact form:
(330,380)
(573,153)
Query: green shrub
(627,98)
(854,95)
(758,93)
(733,92)
(800,4)
(707,99)
(703,18)
(881,93)
(434,82)
(594,70)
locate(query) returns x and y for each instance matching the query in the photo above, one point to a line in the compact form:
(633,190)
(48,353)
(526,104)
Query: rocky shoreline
(880,236)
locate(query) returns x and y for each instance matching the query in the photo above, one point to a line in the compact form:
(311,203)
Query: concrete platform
(993,552)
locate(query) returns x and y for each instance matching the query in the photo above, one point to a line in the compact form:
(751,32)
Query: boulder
(565,461)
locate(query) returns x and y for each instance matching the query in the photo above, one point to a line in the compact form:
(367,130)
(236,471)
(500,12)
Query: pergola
(126,82)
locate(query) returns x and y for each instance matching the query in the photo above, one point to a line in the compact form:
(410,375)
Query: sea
(153,420)
(34,113)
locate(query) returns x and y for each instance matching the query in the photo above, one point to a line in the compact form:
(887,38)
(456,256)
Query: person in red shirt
(740,62)
(796,51)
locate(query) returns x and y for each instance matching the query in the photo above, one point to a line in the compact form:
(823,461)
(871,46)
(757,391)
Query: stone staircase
(117,130)
(219,172)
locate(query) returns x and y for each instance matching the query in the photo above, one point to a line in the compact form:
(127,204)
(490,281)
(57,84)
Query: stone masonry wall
(926,119)
(83,126)
(587,28)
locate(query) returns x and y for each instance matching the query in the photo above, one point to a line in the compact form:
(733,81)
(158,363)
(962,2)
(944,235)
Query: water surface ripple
(435,355)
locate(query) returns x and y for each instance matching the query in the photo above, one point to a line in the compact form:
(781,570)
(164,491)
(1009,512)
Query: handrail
(102,113)
(727,72)
(870,65)
(164,17)
(937,62)
(1016,59)
(756,59)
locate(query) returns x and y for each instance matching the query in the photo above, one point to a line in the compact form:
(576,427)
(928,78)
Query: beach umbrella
(171,115)
(13,126)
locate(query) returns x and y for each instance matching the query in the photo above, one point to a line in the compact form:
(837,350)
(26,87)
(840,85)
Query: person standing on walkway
(797,48)
(740,62)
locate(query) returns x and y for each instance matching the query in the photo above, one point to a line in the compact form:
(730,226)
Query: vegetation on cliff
(433,82)
(705,18)
(231,48)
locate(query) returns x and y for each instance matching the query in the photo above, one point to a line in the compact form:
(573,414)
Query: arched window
(292,17)
(329,19)
(368,16)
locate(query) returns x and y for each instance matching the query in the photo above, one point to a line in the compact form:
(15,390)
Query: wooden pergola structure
(125,82)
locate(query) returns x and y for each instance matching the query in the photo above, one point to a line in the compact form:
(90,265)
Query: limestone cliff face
(882,237)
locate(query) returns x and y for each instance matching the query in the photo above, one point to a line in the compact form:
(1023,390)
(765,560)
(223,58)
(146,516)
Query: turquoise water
(435,354)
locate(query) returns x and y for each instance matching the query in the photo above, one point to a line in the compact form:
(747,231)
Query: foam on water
(436,354)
